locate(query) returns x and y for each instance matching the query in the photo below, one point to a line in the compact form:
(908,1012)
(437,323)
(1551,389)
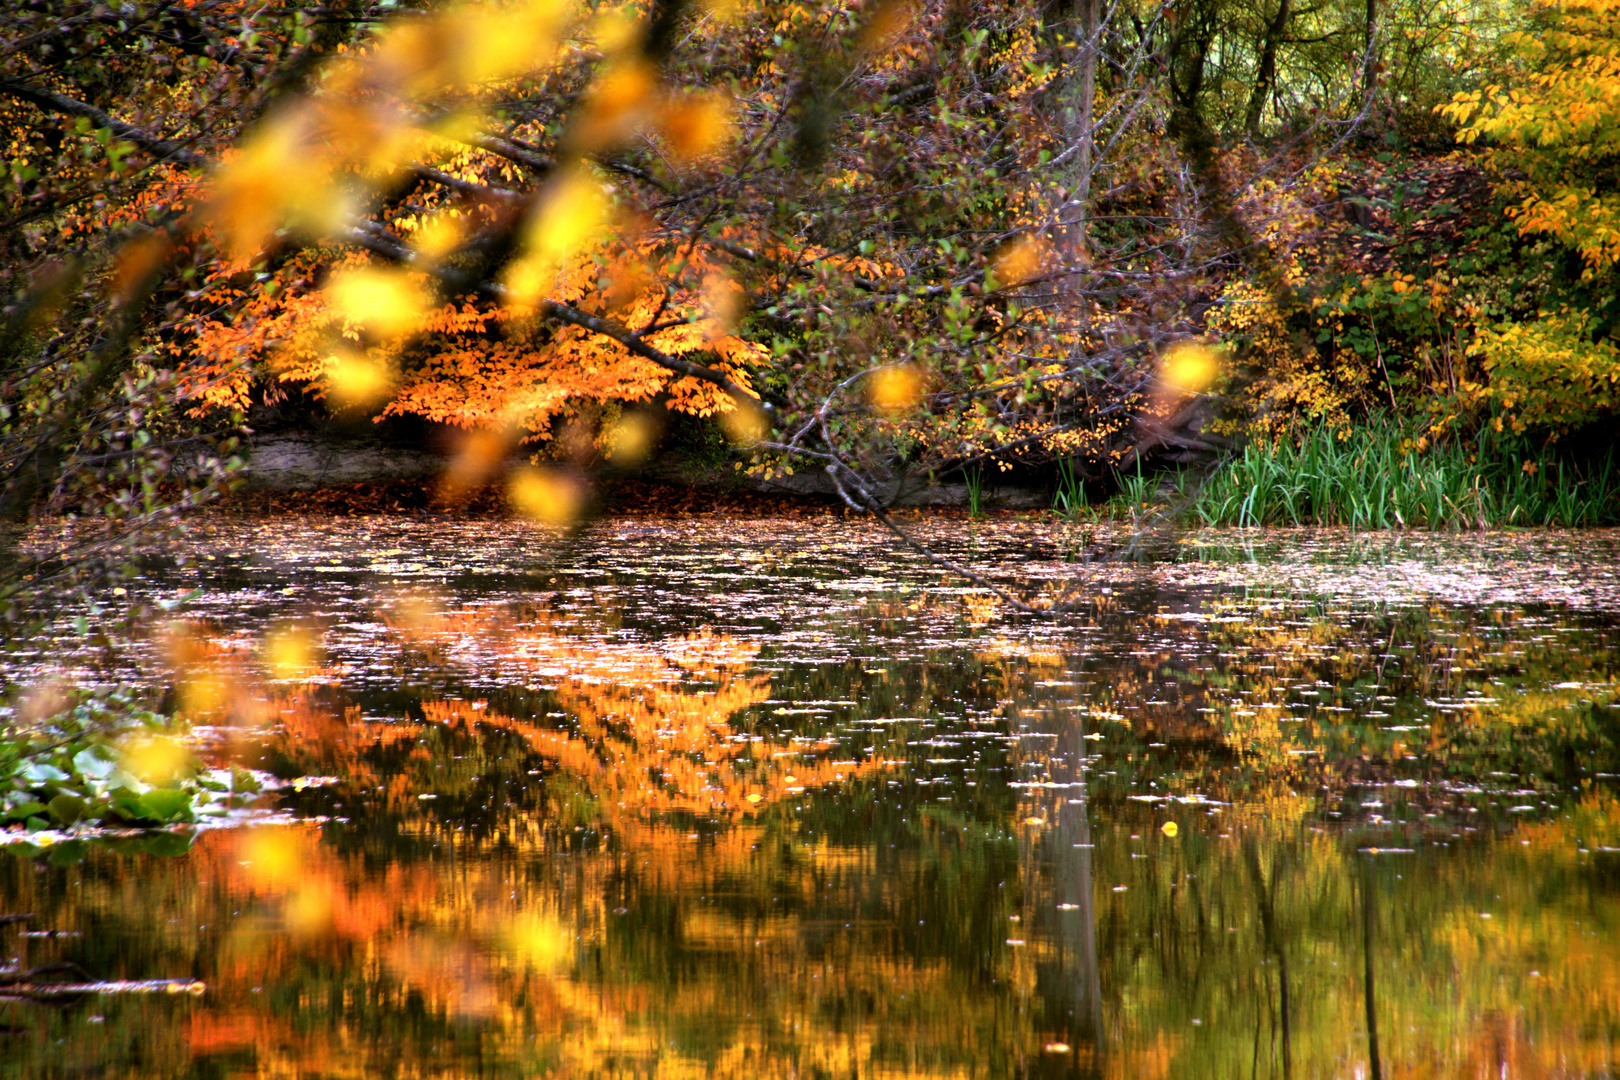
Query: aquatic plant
(106,760)
(1386,475)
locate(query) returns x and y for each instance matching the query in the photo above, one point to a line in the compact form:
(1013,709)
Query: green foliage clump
(1387,474)
(83,766)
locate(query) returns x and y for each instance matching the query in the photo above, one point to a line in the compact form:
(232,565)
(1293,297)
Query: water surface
(769,798)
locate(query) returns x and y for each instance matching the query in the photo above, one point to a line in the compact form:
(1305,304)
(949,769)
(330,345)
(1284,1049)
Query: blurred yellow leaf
(1020,261)
(270,858)
(309,910)
(630,440)
(135,262)
(289,651)
(474,462)
(540,941)
(1189,368)
(548,496)
(202,693)
(888,22)
(894,388)
(156,760)
(496,41)
(439,235)
(615,30)
(570,220)
(696,127)
(355,380)
(387,302)
(723,300)
(617,102)
(1169,828)
(252,188)
(744,423)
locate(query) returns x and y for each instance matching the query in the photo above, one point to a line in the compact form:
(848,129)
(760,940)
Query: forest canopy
(886,240)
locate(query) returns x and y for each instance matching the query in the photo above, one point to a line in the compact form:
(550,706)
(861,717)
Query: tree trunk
(1266,77)
(1080,124)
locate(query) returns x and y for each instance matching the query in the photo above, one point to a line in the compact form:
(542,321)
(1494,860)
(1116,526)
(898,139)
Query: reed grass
(1376,479)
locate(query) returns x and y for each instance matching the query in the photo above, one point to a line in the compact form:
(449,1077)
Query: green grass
(1373,480)
(1069,499)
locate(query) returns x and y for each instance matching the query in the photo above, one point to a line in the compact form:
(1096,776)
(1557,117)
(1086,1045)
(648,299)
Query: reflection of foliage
(649,728)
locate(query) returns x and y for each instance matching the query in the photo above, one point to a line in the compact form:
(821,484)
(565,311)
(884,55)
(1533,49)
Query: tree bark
(1266,76)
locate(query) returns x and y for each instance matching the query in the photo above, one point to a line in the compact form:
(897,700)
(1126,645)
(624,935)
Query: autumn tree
(876,242)
(1554,128)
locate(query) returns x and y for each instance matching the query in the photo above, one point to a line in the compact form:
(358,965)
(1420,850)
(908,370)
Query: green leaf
(89,763)
(39,773)
(167,804)
(66,808)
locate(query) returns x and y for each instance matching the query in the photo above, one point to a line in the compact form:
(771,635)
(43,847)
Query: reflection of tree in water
(707,933)
(715,914)
(1059,915)
(645,730)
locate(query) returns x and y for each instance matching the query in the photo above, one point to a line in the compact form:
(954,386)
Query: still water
(770,798)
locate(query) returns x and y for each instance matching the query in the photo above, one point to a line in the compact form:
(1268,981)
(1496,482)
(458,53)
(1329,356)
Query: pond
(768,797)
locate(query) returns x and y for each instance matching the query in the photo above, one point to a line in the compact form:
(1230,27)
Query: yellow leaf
(888,22)
(630,440)
(615,30)
(1020,261)
(272,182)
(355,380)
(1189,368)
(894,388)
(157,760)
(270,858)
(386,302)
(289,651)
(570,220)
(696,127)
(541,941)
(1169,828)
(475,460)
(439,235)
(744,424)
(496,41)
(615,105)
(548,496)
